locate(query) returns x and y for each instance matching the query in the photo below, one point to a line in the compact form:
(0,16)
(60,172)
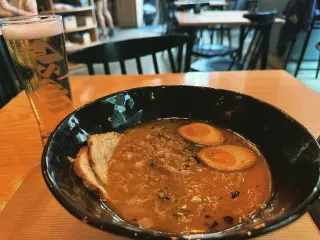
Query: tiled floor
(307,77)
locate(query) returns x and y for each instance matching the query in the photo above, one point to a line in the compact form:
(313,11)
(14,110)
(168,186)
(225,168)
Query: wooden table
(190,23)
(20,145)
(214,3)
(206,18)
(218,3)
(181,3)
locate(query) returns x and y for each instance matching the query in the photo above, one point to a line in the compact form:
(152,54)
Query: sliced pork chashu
(84,171)
(97,154)
(101,148)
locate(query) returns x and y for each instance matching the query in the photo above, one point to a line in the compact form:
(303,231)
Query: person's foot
(103,36)
(111,32)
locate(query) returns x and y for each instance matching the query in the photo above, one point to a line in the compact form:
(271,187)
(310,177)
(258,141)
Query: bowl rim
(135,232)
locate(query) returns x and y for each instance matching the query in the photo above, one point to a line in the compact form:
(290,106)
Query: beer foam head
(32,30)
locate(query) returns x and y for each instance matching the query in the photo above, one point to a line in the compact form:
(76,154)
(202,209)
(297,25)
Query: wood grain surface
(205,18)
(20,144)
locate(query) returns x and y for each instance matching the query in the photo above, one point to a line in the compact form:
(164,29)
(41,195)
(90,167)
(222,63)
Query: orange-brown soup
(156,181)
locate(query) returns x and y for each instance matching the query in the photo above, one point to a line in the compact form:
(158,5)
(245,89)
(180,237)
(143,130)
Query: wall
(279,5)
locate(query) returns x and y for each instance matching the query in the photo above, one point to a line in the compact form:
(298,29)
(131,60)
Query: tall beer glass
(37,48)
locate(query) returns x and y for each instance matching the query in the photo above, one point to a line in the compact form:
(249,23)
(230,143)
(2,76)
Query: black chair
(9,84)
(196,8)
(260,22)
(134,49)
(221,29)
(167,8)
(318,68)
(250,5)
(201,49)
(215,50)
(212,50)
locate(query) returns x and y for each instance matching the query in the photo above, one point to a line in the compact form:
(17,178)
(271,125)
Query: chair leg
(256,52)
(303,50)
(229,37)
(212,36)
(221,35)
(199,36)
(190,45)
(90,69)
(106,68)
(179,58)
(265,47)
(241,41)
(293,42)
(318,69)
(234,58)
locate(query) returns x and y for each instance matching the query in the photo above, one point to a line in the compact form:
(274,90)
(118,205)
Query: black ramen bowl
(291,151)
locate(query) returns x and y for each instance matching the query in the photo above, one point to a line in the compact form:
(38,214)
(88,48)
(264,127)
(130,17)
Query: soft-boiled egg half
(227,157)
(201,133)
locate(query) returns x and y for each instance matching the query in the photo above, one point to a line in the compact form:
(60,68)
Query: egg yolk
(220,156)
(196,130)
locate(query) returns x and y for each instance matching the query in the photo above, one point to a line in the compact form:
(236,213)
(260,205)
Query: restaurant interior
(250,67)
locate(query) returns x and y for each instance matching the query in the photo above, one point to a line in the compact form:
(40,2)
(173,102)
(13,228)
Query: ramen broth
(157,182)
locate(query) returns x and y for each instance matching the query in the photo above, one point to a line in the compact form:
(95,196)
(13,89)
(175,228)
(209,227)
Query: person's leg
(100,17)
(107,14)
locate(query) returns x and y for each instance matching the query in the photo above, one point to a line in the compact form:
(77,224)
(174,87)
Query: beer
(39,55)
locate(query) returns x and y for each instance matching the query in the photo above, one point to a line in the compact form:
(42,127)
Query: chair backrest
(261,18)
(261,24)
(233,5)
(135,49)
(251,5)
(167,6)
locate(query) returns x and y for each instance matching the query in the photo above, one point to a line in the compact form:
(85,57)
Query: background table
(181,3)
(212,3)
(206,18)
(20,145)
(190,23)
(218,3)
